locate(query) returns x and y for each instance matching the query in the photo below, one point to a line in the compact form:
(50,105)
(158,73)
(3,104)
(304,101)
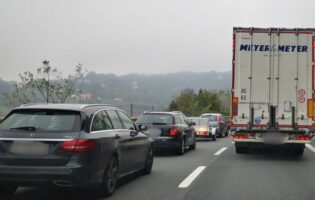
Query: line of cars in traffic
(89,146)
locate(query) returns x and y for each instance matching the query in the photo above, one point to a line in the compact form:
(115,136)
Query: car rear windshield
(162,119)
(212,118)
(42,121)
(200,121)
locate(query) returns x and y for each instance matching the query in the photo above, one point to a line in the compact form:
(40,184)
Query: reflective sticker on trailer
(310,108)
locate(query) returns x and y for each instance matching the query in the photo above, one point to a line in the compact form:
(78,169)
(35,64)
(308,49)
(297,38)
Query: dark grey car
(169,130)
(71,145)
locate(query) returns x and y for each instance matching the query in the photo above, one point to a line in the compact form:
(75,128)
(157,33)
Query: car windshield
(200,121)
(42,121)
(212,118)
(214,124)
(163,119)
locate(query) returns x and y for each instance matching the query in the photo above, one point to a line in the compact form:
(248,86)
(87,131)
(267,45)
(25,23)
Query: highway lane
(212,171)
(259,175)
(169,170)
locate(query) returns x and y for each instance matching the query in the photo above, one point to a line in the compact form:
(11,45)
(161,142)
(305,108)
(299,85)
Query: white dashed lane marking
(310,147)
(186,183)
(220,151)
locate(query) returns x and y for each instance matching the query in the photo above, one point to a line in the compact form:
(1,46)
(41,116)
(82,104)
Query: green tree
(46,85)
(195,104)
(184,102)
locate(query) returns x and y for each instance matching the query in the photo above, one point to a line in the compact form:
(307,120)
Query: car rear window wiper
(158,123)
(27,128)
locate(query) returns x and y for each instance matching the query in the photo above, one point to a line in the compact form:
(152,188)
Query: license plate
(199,133)
(29,148)
(273,138)
(154,132)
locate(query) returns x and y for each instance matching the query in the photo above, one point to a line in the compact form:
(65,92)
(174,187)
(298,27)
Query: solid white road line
(220,151)
(185,183)
(233,142)
(310,147)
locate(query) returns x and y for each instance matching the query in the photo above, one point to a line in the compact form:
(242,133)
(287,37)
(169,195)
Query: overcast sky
(134,36)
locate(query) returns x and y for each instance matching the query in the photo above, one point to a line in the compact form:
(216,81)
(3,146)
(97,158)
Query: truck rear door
(273,67)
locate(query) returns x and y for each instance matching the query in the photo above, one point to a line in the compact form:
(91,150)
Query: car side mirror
(192,123)
(133,133)
(142,127)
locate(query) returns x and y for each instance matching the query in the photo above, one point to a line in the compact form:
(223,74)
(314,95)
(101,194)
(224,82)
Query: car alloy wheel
(181,149)
(149,163)
(194,144)
(110,176)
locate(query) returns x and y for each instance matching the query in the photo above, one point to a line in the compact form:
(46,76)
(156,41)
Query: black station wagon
(71,145)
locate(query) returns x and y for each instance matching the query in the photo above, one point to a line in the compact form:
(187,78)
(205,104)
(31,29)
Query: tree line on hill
(204,101)
(158,90)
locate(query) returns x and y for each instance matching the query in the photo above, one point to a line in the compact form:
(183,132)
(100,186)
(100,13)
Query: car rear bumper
(166,142)
(204,136)
(76,176)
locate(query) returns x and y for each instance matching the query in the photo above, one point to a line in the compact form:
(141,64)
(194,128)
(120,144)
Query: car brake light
(173,131)
(205,133)
(236,136)
(302,137)
(218,119)
(81,145)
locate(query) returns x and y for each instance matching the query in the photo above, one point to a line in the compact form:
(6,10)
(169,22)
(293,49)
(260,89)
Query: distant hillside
(150,89)
(143,91)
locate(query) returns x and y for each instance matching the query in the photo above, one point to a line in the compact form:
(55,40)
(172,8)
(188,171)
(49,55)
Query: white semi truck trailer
(272,88)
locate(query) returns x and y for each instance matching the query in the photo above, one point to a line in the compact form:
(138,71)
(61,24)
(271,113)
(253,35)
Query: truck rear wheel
(241,149)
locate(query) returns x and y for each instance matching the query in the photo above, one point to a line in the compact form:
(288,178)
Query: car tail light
(303,137)
(218,119)
(81,145)
(252,135)
(173,131)
(205,133)
(236,136)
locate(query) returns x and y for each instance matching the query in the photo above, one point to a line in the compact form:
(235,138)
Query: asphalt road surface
(212,171)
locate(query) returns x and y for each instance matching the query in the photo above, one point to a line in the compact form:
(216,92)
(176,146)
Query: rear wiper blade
(27,128)
(158,123)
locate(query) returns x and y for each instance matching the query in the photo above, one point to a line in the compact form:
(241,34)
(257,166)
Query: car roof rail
(176,111)
(30,104)
(91,105)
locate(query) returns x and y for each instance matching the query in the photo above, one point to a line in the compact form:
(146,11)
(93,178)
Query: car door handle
(117,136)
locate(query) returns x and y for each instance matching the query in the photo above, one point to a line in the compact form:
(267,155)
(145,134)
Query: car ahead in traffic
(218,122)
(71,145)
(203,128)
(168,130)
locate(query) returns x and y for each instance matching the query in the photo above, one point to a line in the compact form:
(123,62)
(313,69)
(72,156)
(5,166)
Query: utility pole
(46,63)
(131,110)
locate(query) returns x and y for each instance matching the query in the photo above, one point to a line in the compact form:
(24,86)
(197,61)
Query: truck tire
(241,150)
(298,151)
